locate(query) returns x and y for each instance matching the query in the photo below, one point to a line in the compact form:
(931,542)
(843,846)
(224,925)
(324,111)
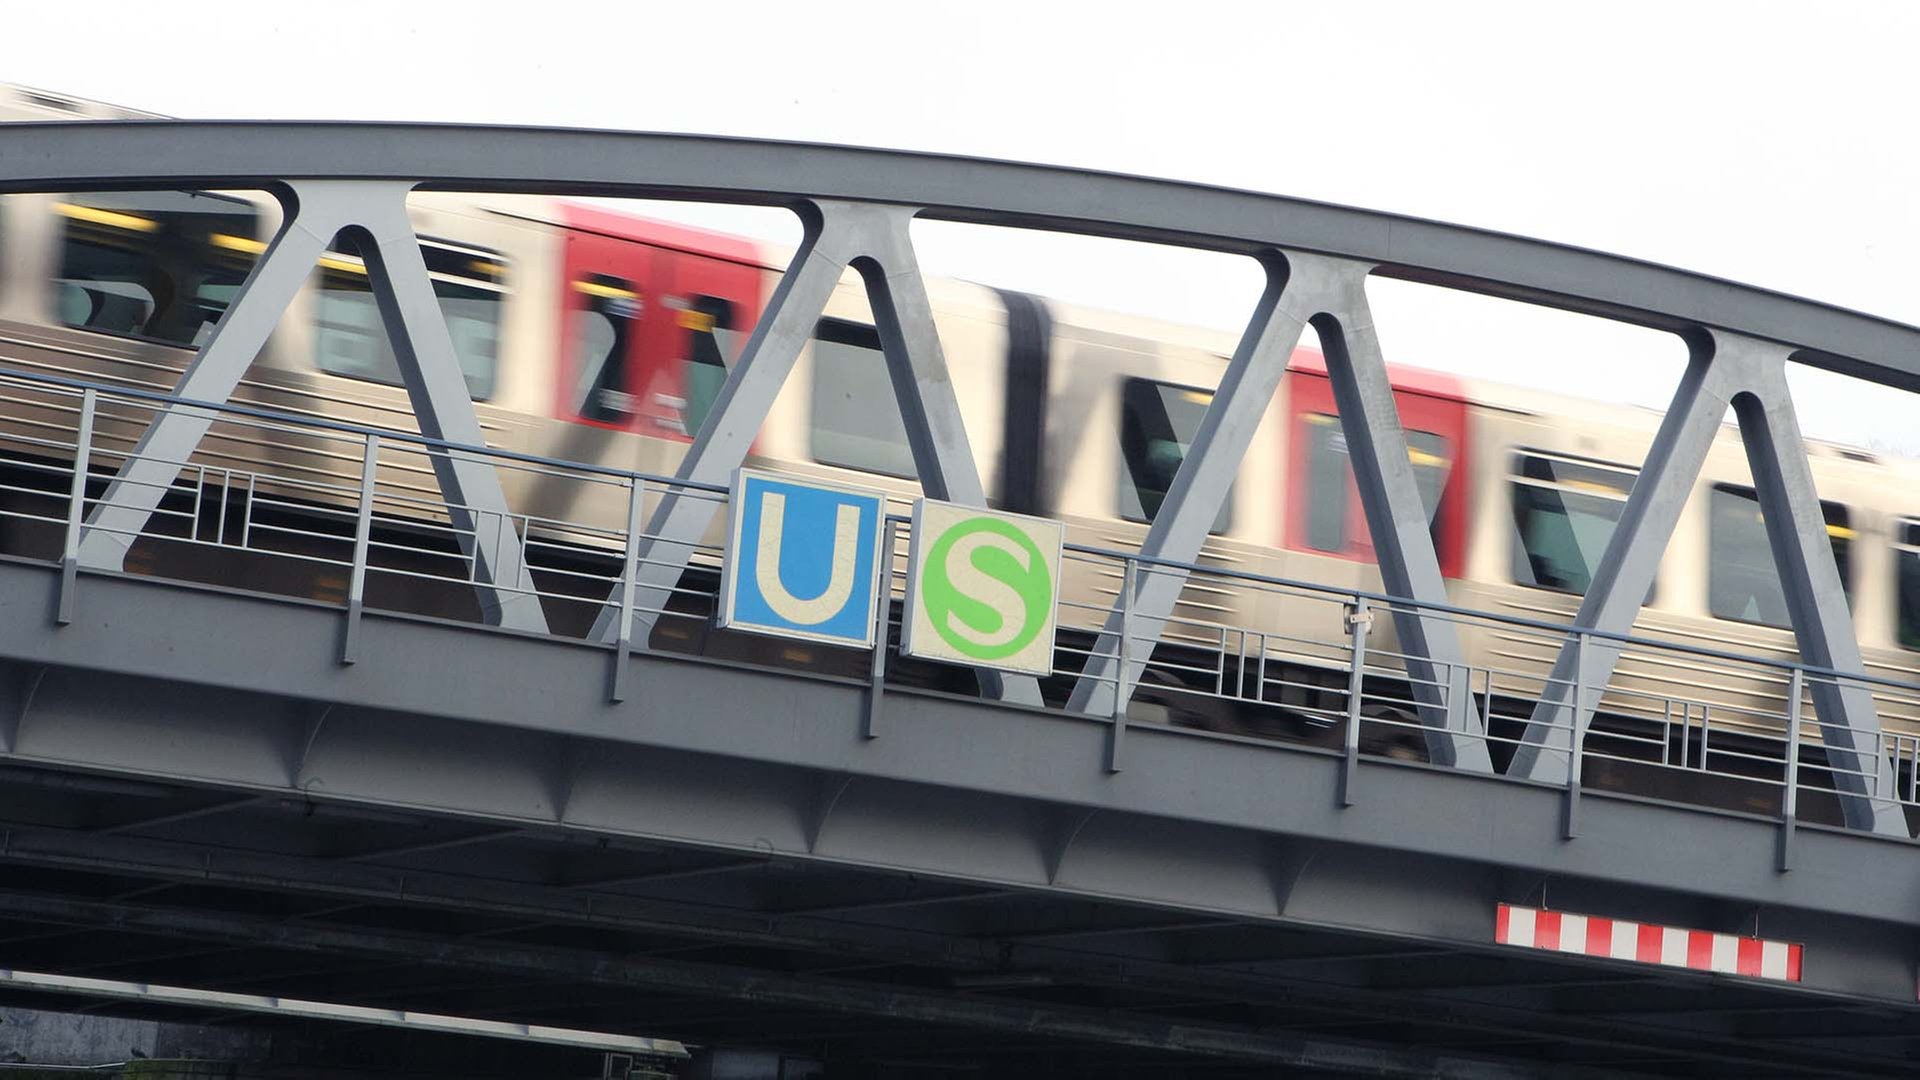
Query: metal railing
(348,515)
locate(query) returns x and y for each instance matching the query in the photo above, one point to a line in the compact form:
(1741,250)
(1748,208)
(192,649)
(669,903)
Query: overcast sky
(1769,143)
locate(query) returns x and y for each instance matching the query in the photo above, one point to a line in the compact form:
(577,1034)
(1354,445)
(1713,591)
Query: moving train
(592,334)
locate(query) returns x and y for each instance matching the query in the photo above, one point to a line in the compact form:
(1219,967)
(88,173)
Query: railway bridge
(275,751)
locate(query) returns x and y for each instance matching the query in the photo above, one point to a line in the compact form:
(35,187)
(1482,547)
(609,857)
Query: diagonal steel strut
(428,367)
(1331,294)
(872,240)
(1748,375)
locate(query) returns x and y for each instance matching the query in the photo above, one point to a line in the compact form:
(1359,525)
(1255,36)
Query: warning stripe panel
(1646,943)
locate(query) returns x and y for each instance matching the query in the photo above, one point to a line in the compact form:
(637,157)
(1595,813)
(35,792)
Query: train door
(1324,515)
(608,283)
(708,305)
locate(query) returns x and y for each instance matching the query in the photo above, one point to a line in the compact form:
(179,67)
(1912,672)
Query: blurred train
(590,334)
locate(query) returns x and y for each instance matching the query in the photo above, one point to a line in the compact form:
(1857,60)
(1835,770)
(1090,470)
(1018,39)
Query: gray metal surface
(75,156)
(726,777)
(376,216)
(1330,294)
(1750,376)
(266,1005)
(448,914)
(536,753)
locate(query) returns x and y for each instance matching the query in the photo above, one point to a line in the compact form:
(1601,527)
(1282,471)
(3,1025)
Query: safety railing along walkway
(351,516)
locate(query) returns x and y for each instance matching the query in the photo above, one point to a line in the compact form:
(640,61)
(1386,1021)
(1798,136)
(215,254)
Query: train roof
(1638,419)
(623,225)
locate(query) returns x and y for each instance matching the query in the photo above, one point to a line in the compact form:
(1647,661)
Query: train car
(595,335)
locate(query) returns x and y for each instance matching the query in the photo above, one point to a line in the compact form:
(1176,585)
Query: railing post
(76,507)
(629,574)
(882,617)
(1359,621)
(1220,661)
(1125,668)
(1913,775)
(362,536)
(1790,795)
(1576,741)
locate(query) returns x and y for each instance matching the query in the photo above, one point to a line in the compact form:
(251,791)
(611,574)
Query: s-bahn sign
(981,588)
(801,559)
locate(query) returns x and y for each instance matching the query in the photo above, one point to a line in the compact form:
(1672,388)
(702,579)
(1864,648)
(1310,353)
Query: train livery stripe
(1646,943)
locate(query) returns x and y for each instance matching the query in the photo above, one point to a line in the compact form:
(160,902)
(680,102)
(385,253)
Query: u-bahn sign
(982,588)
(801,559)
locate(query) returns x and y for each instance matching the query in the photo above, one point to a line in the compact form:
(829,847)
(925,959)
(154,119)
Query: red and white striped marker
(1646,943)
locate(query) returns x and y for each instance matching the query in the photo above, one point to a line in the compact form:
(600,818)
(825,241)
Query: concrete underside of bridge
(193,791)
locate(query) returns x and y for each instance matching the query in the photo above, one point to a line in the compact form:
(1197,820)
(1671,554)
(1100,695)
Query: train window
(603,327)
(856,420)
(156,265)
(1327,484)
(1157,424)
(1742,583)
(1907,555)
(708,321)
(1332,517)
(1564,514)
(350,339)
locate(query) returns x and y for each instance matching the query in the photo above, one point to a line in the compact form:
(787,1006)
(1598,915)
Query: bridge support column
(1331,294)
(428,365)
(1748,375)
(872,240)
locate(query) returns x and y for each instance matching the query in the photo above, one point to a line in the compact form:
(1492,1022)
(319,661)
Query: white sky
(1769,143)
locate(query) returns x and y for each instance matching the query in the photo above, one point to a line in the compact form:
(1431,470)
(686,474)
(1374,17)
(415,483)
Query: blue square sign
(801,559)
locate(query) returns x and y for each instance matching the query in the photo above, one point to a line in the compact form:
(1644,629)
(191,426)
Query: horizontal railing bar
(361,430)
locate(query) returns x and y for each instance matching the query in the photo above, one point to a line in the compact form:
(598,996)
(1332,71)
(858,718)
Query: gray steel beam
(428,366)
(222,806)
(778,990)
(319,210)
(1330,293)
(1396,518)
(1199,489)
(1816,597)
(874,945)
(1750,376)
(436,387)
(938,795)
(80,156)
(874,241)
(917,366)
(753,382)
(234,1005)
(766,989)
(1619,584)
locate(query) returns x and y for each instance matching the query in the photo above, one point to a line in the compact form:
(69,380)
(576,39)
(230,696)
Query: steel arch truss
(857,205)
